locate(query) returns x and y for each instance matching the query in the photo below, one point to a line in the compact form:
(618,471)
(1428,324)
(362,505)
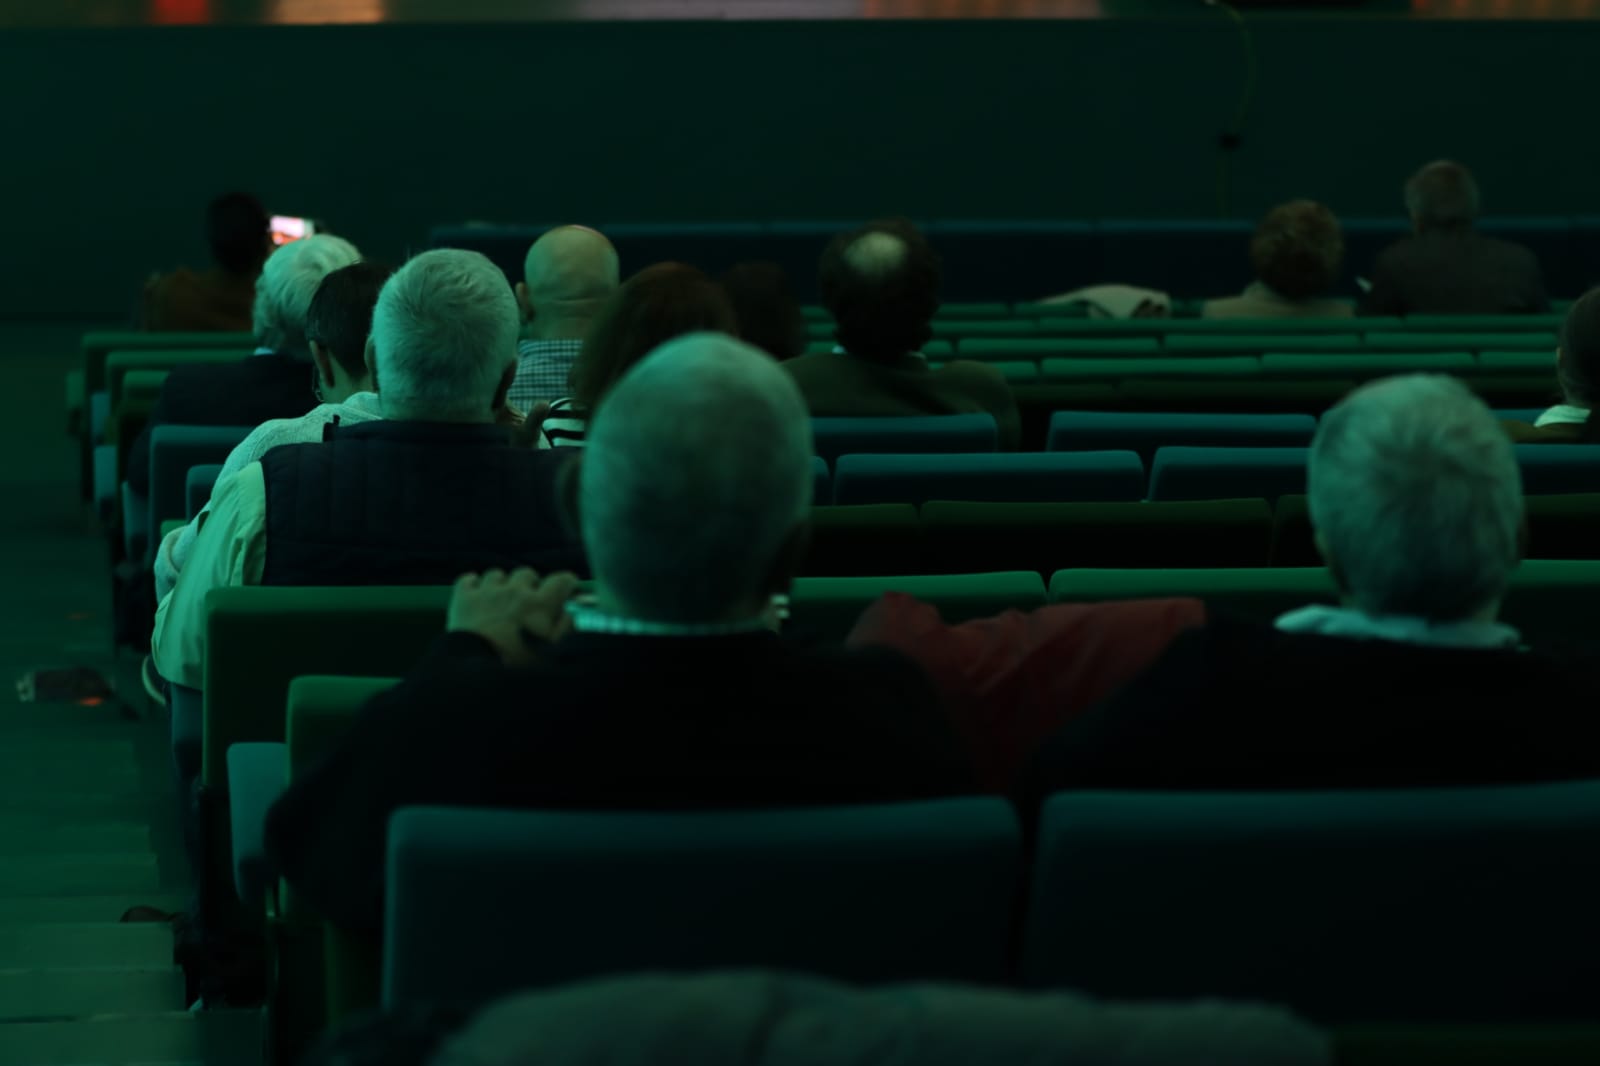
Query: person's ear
(790,558)
(523,303)
(505,387)
(324,360)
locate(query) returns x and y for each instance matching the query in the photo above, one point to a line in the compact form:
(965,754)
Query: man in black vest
(433,489)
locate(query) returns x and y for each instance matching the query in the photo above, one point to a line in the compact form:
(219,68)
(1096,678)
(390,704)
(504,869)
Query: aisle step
(46,910)
(78,875)
(216,1038)
(143,945)
(58,994)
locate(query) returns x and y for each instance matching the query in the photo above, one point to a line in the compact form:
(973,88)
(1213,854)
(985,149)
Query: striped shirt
(564,426)
(542,369)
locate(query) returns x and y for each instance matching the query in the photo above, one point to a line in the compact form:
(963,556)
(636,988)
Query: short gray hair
(696,473)
(289,279)
(1417,494)
(444,333)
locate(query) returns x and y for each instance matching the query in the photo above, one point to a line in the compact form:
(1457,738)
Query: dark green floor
(87,816)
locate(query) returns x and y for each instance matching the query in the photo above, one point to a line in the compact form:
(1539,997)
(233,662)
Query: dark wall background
(115,138)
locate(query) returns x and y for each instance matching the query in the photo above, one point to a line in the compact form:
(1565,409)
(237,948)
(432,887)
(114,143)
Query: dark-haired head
(657,304)
(236,232)
(1442,196)
(1297,250)
(769,315)
(339,321)
(882,284)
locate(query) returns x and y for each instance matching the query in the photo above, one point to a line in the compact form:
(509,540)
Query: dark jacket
(611,722)
(837,384)
(1456,272)
(1241,705)
(254,390)
(412,503)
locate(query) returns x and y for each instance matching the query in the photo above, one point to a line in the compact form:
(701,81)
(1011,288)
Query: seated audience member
(1447,267)
(218,300)
(671,691)
(1010,682)
(430,490)
(882,284)
(568,275)
(769,316)
(1296,254)
(1416,499)
(758,1018)
(657,304)
(337,327)
(1578,374)
(275,382)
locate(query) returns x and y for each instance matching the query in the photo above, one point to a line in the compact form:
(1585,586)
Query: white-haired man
(430,490)
(1416,498)
(673,691)
(275,382)
(569,274)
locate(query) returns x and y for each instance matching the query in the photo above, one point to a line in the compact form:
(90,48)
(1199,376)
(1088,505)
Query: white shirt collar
(1355,624)
(1563,414)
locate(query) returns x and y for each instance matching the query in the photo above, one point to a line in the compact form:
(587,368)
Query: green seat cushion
(997,327)
(1048,347)
(1262,594)
(1549,323)
(1552,601)
(1233,396)
(1531,363)
(1229,344)
(966,311)
(1246,326)
(863,539)
(827,607)
(1092,369)
(1461,342)
(1362,366)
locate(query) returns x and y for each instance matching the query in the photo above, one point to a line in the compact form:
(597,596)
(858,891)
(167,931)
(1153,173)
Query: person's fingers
(468,582)
(525,576)
(494,577)
(558,588)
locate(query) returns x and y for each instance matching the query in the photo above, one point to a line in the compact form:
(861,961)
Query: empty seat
(1035,476)
(828,607)
(1227,344)
(1145,432)
(1559,468)
(966,537)
(173,450)
(1363,366)
(873,538)
(834,437)
(917,890)
(1121,368)
(1461,342)
(197,486)
(1227,473)
(1259,593)
(1233,396)
(1465,904)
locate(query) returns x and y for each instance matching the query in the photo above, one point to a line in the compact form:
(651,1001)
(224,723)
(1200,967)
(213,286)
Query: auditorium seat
(173,450)
(1248,343)
(1145,432)
(1233,396)
(985,327)
(922,891)
(1246,326)
(1448,905)
(1293,542)
(971,311)
(1227,473)
(197,486)
(1019,477)
(1549,323)
(1123,368)
(122,362)
(821,481)
(1559,468)
(1363,366)
(866,539)
(1046,537)
(1565,526)
(833,437)
(826,608)
(1540,361)
(1552,602)
(1458,342)
(1056,347)
(1260,593)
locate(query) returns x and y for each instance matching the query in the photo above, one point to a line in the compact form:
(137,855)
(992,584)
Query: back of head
(657,304)
(570,271)
(237,233)
(769,315)
(1442,196)
(287,285)
(1417,496)
(1298,249)
(340,316)
(696,476)
(444,335)
(1579,369)
(882,284)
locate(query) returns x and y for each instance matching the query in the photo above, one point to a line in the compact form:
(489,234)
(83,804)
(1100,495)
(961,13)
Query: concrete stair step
(56,910)
(80,875)
(59,994)
(217,1038)
(143,945)
(110,839)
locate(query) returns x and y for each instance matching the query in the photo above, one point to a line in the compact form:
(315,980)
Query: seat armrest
(257,775)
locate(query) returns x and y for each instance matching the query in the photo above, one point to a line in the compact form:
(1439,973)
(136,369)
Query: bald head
(882,284)
(875,255)
(567,274)
(696,481)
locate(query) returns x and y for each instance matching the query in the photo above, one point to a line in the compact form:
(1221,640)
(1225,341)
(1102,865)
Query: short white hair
(444,333)
(696,474)
(1417,495)
(288,280)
